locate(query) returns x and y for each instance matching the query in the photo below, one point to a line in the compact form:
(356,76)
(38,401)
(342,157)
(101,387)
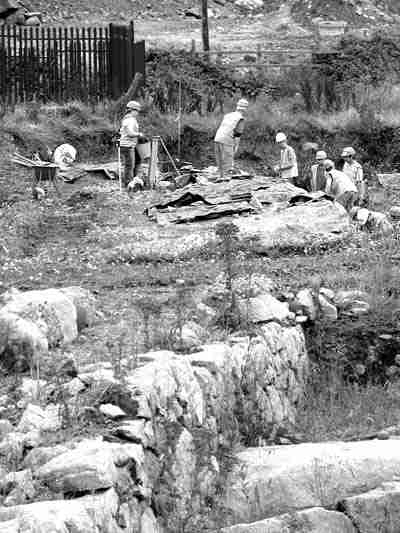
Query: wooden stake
(152,178)
(204,20)
(179,119)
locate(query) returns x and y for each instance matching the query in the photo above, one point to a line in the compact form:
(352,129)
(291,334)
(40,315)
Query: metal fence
(61,64)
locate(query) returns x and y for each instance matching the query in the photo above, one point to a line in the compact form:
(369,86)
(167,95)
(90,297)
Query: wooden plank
(140,60)
(84,73)
(130,57)
(72,58)
(14,56)
(79,89)
(2,64)
(61,64)
(67,69)
(29,88)
(50,58)
(55,89)
(106,55)
(43,61)
(37,65)
(24,64)
(102,71)
(90,61)
(96,50)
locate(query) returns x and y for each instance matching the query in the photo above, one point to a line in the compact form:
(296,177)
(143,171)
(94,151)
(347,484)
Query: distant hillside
(106,11)
(353,11)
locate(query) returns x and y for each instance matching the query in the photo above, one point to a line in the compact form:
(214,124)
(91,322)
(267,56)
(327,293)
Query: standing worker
(287,168)
(318,174)
(129,135)
(340,186)
(354,170)
(227,138)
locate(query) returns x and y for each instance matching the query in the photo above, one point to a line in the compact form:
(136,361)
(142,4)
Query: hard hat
(242,104)
(349,150)
(134,105)
(329,164)
(280,137)
(320,155)
(362,216)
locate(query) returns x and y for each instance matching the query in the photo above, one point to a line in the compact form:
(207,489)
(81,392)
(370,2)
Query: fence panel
(60,64)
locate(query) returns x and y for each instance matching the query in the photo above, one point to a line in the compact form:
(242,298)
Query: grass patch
(336,409)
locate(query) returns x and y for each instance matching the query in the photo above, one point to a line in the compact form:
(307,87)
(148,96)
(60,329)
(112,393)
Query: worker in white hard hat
(129,135)
(340,186)
(287,168)
(354,170)
(318,174)
(227,138)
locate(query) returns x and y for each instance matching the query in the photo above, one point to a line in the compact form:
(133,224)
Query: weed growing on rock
(228,235)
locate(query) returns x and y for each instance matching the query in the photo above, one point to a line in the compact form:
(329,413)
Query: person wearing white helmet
(227,138)
(287,168)
(318,174)
(354,170)
(339,185)
(129,135)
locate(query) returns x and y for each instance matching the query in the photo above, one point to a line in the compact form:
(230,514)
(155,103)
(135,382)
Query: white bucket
(144,150)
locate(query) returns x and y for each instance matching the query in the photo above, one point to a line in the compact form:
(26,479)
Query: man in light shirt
(227,138)
(354,170)
(287,168)
(340,186)
(129,135)
(318,174)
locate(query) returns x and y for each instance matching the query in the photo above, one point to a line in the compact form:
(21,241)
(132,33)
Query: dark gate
(61,64)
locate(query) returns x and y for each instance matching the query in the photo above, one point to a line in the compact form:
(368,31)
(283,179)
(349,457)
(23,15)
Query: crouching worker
(227,138)
(129,135)
(318,174)
(340,186)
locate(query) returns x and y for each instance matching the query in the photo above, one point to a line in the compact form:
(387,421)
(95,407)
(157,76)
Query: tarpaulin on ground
(198,202)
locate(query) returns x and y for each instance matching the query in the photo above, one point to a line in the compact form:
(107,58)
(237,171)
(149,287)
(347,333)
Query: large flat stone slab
(273,480)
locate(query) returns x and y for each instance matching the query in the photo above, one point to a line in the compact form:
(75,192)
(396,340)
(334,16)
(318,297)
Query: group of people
(347,185)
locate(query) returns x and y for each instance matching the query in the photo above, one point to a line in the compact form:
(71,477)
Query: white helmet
(321,155)
(133,104)
(280,137)
(349,150)
(242,104)
(329,164)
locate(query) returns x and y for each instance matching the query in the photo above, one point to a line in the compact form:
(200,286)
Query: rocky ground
(239,24)
(141,402)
